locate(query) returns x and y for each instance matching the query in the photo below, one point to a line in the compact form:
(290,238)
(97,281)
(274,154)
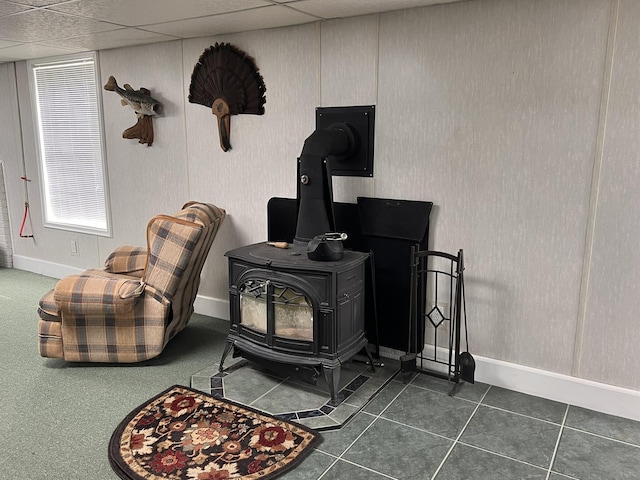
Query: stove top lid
(294,257)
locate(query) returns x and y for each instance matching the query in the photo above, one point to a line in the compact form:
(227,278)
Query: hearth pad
(291,397)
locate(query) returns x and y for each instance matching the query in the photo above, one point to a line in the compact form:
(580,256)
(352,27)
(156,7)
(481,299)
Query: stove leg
(227,349)
(332,376)
(373,365)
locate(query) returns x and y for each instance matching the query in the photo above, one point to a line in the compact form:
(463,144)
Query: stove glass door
(253,305)
(292,313)
(273,309)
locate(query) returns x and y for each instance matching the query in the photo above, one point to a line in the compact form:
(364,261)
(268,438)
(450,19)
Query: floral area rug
(186,434)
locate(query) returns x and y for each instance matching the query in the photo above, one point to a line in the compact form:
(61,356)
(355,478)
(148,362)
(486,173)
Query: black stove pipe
(315,195)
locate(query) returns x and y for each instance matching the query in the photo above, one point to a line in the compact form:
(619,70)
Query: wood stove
(291,311)
(287,308)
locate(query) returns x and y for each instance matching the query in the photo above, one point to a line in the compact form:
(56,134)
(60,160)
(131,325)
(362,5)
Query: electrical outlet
(74,247)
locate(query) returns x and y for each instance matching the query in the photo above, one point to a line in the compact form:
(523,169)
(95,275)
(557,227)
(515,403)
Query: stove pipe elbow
(315,196)
(336,140)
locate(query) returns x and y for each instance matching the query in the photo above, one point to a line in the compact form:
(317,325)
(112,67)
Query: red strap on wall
(26,210)
(24,221)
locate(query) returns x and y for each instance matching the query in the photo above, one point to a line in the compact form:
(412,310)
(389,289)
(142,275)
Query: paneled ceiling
(44,28)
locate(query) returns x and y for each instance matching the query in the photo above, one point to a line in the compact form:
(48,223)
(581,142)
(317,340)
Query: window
(70,145)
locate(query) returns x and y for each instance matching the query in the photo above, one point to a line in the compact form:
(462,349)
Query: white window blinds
(70,144)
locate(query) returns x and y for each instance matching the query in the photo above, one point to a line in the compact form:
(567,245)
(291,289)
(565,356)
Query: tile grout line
(521,414)
(406,425)
(460,435)
(360,466)
(269,391)
(488,405)
(502,455)
(555,450)
(604,437)
(422,387)
(376,417)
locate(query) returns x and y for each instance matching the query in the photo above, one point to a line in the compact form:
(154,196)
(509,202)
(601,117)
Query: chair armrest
(96,295)
(127,260)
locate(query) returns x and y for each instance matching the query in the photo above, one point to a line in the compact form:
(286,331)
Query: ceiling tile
(36,25)
(112,39)
(32,50)
(97,24)
(4,44)
(146,12)
(38,3)
(265,17)
(350,8)
(8,8)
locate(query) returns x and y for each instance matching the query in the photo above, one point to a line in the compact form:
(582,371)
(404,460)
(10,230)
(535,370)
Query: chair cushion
(97,295)
(171,246)
(49,328)
(50,339)
(201,213)
(47,309)
(127,259)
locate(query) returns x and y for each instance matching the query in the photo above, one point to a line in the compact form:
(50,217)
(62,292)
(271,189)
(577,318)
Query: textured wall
(6,250)
(350,77)
(490,110)
(262,161)
(10,199)
(8,143)
(611,333)
(518,119)
(144,181)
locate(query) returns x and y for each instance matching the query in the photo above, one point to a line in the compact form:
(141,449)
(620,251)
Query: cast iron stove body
(289,310)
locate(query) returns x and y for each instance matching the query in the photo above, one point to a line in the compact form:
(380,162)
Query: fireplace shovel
(465,359)
(467,367)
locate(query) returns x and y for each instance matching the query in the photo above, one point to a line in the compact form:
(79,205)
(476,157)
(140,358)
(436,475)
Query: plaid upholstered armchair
(129,311)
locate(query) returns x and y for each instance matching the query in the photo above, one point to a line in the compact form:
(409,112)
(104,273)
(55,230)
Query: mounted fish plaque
(143,104)
(226,80)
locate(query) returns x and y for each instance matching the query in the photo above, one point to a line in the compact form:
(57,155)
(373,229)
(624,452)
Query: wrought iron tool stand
(436,314)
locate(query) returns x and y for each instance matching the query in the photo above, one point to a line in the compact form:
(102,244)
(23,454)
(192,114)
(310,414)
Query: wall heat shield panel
(362,120)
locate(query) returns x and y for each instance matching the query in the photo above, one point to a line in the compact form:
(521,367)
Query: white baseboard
(42,267)
(597,396)
(601,397)
(212,307)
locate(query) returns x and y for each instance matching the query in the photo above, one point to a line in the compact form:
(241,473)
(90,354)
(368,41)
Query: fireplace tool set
(438,306)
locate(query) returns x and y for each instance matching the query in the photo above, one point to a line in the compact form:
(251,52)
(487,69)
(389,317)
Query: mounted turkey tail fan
(226,79)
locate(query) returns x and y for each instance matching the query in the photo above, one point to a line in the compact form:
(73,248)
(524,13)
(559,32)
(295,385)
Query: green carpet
(60,414)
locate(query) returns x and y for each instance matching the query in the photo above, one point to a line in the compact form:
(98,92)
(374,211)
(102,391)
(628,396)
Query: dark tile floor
(412,429)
